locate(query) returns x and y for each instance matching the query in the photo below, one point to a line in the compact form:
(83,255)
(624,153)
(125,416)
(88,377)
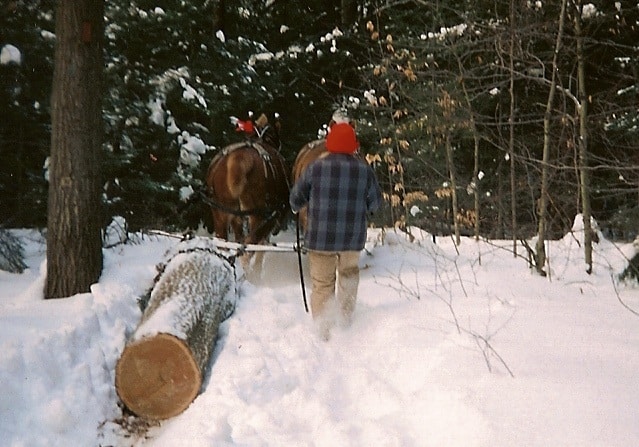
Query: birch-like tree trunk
(583,140)
(540,248)
(511,130)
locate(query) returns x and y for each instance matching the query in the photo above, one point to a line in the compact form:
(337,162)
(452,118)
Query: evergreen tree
(26,70)
(176,71)
(176,76)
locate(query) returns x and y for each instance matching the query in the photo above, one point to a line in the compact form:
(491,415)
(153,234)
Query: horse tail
(237,170)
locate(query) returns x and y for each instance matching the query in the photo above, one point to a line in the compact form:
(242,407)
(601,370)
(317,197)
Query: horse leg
(220,224)
(260,229)
(253,261)
(237,225)
(255,266)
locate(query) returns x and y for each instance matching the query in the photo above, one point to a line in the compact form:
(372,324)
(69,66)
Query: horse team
(249,182)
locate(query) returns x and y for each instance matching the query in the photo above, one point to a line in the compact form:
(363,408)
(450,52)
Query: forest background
(499,119)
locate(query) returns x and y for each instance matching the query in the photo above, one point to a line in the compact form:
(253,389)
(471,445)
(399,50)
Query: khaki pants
(328,270)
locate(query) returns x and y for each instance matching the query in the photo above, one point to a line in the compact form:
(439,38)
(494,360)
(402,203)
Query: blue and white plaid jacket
(340,190)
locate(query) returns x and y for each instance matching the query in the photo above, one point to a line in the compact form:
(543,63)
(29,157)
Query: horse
(308,153)
(248,183)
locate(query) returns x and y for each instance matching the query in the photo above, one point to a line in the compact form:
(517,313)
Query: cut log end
(156,377)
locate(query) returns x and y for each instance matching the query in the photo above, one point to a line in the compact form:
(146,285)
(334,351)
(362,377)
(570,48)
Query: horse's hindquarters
(248,182)
(308,154)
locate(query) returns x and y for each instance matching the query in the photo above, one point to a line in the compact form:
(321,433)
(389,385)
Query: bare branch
(487,349)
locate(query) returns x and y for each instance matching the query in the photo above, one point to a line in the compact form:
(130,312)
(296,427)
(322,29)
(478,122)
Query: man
(339,190)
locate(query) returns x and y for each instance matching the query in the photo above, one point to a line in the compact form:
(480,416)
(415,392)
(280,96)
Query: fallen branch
(487,349)
(628,308)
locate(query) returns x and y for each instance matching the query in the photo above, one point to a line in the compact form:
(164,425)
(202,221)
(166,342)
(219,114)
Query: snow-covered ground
(449,347)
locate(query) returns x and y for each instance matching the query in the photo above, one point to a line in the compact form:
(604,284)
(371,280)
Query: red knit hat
(341,138)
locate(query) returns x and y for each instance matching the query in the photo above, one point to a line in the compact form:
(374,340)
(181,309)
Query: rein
(299,261)
(262,212)
(268,214)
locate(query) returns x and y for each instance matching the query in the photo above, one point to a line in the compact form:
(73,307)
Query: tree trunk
(160,370)
(453,188)
(511,130)
(74,243)
(501,231)
(583,141)
(540,248)
(348,12)
(219,16)
(476,138)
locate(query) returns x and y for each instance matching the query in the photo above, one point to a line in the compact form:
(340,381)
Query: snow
(588,11)
(10,54)
(450,346)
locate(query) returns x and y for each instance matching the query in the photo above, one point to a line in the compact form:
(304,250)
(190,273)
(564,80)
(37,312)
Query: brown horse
(308,154)
(248,182)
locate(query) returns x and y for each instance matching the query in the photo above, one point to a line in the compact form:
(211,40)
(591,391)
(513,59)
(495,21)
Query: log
(162,365)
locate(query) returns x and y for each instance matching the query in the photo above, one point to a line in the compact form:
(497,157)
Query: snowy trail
(402,375)
(361,388)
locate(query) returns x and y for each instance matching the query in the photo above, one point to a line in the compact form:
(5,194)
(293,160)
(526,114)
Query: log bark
(161,368)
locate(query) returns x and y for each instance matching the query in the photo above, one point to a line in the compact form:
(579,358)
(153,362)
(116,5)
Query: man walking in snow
(340,190)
